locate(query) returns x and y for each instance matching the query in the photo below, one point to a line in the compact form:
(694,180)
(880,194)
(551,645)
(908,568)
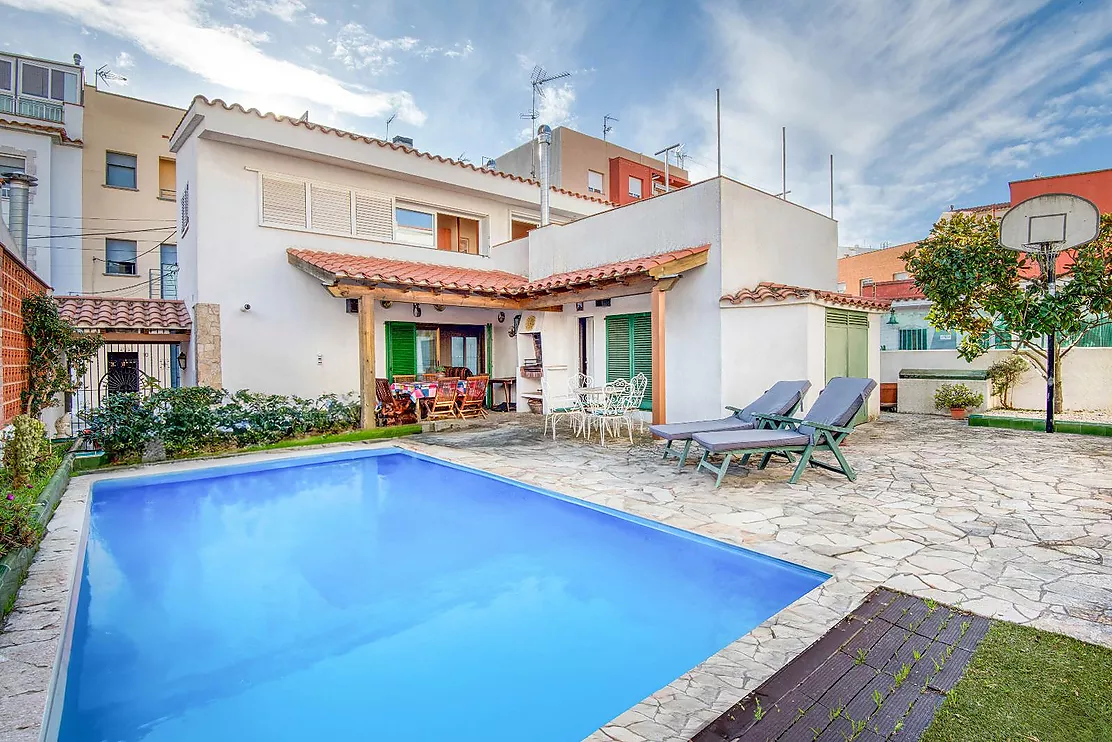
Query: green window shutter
(629,350)
(617,347)
(641,339)
(401,349)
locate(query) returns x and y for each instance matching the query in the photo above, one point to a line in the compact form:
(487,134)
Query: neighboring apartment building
(312,262)
(588,165)
(41,132)
(129,189)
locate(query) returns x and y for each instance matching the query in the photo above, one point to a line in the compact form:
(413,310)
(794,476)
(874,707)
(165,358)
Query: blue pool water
(387,597)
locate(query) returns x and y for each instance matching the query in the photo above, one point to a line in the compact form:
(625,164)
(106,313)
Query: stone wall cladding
(206,333)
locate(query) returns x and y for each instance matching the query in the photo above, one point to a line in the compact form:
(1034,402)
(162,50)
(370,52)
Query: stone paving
(1010,525)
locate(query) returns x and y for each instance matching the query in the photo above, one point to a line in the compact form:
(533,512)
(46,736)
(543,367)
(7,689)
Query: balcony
(32,108)
(167,194)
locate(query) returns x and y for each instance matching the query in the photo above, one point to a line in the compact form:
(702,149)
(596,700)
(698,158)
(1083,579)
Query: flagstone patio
(1010,525)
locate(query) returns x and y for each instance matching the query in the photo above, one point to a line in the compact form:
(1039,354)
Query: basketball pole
(1051,258)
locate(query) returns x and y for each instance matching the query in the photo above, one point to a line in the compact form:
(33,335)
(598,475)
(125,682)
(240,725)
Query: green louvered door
(847,348)
(629,350)
(401,349)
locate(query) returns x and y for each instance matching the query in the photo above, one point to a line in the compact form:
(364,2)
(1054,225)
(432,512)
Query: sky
(924,104)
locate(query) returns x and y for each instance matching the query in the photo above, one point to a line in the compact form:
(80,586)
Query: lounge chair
(783,398)
(822,428)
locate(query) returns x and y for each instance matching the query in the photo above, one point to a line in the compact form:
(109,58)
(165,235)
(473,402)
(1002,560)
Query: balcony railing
(167,194)
(164,282)
(32,108)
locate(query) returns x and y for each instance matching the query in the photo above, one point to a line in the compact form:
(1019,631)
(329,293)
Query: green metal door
(629,350)
(847,348)
(401,349)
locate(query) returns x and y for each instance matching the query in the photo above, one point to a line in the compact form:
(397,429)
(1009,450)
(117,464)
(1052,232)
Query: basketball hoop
(1047,225)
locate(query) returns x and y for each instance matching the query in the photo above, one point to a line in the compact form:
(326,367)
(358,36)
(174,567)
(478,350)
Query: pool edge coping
(809,616)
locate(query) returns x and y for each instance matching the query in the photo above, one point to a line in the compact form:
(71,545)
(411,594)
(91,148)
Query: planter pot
(959,413)
(536,406)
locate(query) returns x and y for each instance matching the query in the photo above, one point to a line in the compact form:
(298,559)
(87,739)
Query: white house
(314,260)
(41,121)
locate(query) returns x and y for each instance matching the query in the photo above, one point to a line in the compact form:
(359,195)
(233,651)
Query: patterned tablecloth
(422,389)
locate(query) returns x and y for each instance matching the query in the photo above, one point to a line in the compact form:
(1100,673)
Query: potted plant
(957,398)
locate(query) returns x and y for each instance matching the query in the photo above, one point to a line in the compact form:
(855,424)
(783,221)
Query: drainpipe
(544,139)
(20,186)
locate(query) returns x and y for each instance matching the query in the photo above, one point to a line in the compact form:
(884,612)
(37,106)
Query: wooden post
(367,393)
(660,289)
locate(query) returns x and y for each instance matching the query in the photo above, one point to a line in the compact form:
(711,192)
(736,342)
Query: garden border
(14,566)
(1038,425)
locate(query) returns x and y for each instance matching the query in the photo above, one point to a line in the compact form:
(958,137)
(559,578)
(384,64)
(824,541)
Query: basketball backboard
(1060,220)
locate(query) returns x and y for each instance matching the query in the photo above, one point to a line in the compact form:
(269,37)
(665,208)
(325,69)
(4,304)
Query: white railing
(40,109)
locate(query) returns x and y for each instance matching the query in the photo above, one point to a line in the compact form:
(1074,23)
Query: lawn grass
(1026,685)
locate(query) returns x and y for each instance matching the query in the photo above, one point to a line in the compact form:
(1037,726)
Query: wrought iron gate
(118,368)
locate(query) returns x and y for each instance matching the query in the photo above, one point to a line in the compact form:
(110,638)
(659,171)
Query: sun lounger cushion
(839,402)
(740,440)
(683,431)
(780,399)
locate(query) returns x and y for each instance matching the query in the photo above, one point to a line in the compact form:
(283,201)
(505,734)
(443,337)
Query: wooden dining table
(418,390)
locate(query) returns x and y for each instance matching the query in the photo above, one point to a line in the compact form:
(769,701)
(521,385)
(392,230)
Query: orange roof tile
(102,312)
(767,291)
(611,271)
(337,266)
(58,131)
(399,147)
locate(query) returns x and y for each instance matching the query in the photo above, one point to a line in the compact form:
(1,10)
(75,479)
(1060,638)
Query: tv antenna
(389,121)
(538,79)
(107,76)
(606,127)
(665,152)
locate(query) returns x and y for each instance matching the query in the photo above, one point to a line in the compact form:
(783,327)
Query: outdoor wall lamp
(892,317)
(416,310)
(182,360)
(438,307)
(386,304)
(501,317)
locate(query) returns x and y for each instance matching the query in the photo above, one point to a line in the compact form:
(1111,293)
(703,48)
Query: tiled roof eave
(774,293)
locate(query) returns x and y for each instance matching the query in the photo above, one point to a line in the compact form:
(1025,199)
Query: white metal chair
(637,387)
(557,407)
(612,409)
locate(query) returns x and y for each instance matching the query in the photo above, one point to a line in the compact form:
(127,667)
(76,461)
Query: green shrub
(18,505)
(1004,375)
(950,396)
(25,449)
(197,419)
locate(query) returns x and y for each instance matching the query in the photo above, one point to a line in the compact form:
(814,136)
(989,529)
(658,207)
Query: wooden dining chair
(474,396)
(404,379)
(444,404)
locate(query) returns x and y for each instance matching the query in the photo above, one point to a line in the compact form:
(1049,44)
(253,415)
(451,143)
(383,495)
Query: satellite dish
(1054,221)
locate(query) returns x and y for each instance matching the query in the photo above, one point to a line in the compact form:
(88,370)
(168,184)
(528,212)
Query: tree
(981,290)
(55,348)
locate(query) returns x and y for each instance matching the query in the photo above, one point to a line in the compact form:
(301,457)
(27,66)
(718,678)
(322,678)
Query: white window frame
(22,67)
(417,209)
(640,187)
(601,181)
(10,90)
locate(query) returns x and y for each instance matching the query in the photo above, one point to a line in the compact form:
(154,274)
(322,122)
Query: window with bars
(913,338)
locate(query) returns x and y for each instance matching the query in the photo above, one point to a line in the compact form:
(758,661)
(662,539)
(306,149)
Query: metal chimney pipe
(19,185)
(544,143)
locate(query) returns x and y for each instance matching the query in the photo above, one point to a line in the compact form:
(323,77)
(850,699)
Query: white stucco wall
(66,221)
(769,343)
(37,152)
(1085,375)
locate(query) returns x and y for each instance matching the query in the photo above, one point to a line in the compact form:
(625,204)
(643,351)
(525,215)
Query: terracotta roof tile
(399,147)
(610,271)
(102,312)
(777,292)
(58,131)
(338,266)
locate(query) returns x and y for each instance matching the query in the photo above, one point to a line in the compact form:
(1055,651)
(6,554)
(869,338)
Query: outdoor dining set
(607,408)
(439,397)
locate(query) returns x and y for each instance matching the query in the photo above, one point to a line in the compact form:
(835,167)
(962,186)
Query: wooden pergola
(372,279)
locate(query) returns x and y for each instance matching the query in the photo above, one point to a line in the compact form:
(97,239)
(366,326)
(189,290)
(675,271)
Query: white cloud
(921,102)
(243,33)
(554,107)
(286,10)
(179,33)
(124,61)
(357,49)
(316,20)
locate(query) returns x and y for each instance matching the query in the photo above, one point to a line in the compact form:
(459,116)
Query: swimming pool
(387,596)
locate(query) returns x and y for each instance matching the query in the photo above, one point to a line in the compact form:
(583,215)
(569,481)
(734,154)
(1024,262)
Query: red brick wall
(17,282)
(620,171)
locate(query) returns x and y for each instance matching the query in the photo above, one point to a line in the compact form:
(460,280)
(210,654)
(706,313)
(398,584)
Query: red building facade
(651,180)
